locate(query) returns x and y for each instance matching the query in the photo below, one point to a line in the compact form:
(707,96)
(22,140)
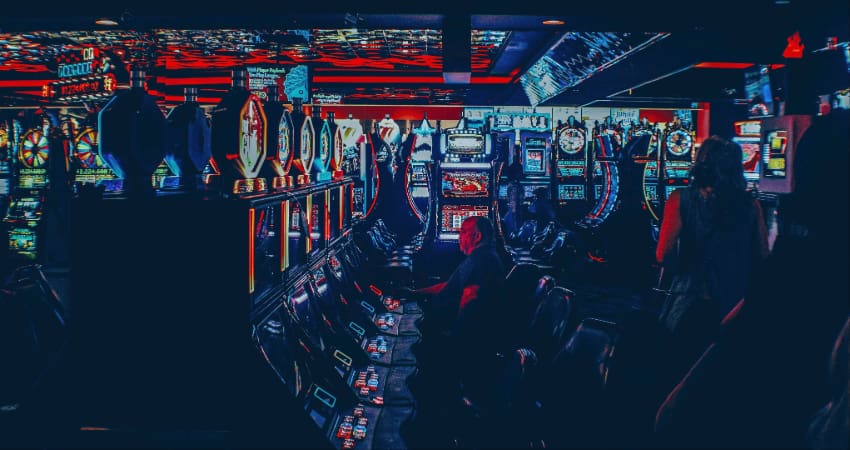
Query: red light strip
(327,209)
(346,79)
(251,214)
(24,83)
(723,65)
(284,240)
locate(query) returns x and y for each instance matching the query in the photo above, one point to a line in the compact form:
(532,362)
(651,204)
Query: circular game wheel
(679,142)
(325,147)
(571,140)
(338,147)
(35,149)
(85,148)
(307,142)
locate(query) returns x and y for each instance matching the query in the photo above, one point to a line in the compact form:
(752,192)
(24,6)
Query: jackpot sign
(83,74)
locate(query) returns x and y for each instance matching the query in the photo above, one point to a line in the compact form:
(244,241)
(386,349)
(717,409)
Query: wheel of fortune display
(85,148)
(283,143)
(35,149)
(679,142)
(571,140)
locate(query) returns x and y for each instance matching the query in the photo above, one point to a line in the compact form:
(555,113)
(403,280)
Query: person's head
(474,232)
(718,166)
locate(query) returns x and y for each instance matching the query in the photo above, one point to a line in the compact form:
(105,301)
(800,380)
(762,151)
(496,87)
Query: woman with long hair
(712,236)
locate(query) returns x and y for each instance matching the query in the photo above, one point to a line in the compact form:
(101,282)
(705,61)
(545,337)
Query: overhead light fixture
(107,22)
(553,22)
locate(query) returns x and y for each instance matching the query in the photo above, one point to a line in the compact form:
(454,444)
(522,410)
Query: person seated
(541,208)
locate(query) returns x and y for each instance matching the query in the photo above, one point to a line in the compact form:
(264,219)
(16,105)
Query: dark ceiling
(609,52)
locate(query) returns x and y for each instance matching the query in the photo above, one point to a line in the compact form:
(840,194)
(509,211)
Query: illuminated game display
(452,216)
(678,155)
(90,167)
(5,167)
(465,183)
(748,136)
(279,149)
(779,139)
(571,169)
(23,217)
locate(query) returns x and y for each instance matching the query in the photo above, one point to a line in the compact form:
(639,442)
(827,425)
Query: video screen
(22,241)
(465,183)
(677,170)
(650,192)
(466,142)
(567,192)
(758,91)
(454,215)
(503,192)
(774,151)
(418,174)
(534,162)
(571,169)
(751,159)
(651,169)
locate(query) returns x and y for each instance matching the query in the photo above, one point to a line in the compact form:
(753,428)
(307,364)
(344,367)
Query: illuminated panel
(465,183)
(454,215)
(578,56)
(251,217)
(467,142)
(284,241)
(568,192)
(571,168)
(774,152)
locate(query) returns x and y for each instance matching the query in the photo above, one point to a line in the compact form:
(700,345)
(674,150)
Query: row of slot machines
(581,169)
(110,148)
(242,320)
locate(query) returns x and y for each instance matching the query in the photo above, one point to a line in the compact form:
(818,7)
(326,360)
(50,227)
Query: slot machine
(678,157)
(779,139)
(652,200)
(605,179)
(245,367)
(279,150)
(353,142)
(571,174)
(188,148)
(23,218)
(386,143)
(324,148)
(303,143)
(748,136)
(417,178)
(239,139)
(132,139)
(5,166)
(465,176)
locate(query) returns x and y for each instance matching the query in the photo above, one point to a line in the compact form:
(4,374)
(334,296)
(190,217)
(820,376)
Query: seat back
(550,322)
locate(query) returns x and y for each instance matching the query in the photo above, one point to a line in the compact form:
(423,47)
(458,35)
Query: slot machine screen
(567,192)
(571,169)
(651,169)
(503,192)
(266,248)
(774,153)
(466,142)
(758,91)
(535,149)
(22,241)
(751,159)
(454,215)
(465,183)
(4,186)
(528,191)
(677,170)
(418,174)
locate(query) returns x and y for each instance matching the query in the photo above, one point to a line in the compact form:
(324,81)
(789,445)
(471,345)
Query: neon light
(309,212)
(284,241)
(723,65)
(341,207)
(327,209)
(359,80)
(377,177)
(251,215)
